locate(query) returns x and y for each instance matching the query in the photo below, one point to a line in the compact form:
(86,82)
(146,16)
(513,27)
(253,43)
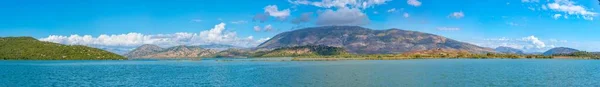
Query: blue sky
(531,25)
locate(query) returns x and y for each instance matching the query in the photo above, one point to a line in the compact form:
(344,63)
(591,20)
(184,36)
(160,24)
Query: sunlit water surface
(374,73)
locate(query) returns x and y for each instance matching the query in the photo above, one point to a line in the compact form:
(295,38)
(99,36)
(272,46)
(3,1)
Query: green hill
(309,50)
(28,48)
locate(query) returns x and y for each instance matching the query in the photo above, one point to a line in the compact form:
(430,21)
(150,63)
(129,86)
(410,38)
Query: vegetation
(431,56)
(580,54)
(327,52)
(308,50)
(28,48)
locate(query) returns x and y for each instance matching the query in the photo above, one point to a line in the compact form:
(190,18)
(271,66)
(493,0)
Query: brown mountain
(361,40)
(153,51)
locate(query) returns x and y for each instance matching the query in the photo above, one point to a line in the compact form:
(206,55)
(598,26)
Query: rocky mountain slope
(560,50)
(153,51)
(28,48)
(508,50)
(361,40)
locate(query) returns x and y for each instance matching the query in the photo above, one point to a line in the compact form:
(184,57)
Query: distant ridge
(361,40)
(509,50)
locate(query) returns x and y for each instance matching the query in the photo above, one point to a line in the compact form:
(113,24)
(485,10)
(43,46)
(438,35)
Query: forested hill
(28,48)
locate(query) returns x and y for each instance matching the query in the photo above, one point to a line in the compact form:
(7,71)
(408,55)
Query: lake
(373,73)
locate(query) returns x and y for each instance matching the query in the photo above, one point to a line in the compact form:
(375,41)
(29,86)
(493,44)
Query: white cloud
(266,28)
(415,3)
(362,4)
(239,22)
(535,41)
(216,35)
(343,16)
(457,15)
(269,27)
(272,10)
(406,15)
(448,28)
(571,8)
(392,10)
(556,16)
(257,28)
(528,44)
(544,7)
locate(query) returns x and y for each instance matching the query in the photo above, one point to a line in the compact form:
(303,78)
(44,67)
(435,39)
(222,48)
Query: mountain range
(154,51)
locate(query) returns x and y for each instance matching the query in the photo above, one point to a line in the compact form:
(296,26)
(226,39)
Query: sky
(530,25)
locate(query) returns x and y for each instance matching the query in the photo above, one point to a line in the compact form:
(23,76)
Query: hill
(308,50)
(361,40)
(219,47)
(560,50)
(28,48)
(508,50)
(153,51)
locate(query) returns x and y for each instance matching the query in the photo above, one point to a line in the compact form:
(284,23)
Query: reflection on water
(209,72)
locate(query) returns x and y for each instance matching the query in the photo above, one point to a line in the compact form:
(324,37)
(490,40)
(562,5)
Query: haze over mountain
(361,40)
(508,50)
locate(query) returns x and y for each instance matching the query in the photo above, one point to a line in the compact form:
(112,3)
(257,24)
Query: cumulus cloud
(272,10)
(457,15)
(415,3)
(571,8)
(406,15)
(362,4)
(305,17)
(535,41)
(216,35)
(343,16)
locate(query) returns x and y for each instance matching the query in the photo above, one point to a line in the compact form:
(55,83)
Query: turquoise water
(438,72)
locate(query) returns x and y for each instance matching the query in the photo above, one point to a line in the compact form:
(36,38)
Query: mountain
(153,51)
(307,50)
(361,40)
(144,50)
(234,53)
(560,50)
(220,47)
(508,50)
(28,48)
